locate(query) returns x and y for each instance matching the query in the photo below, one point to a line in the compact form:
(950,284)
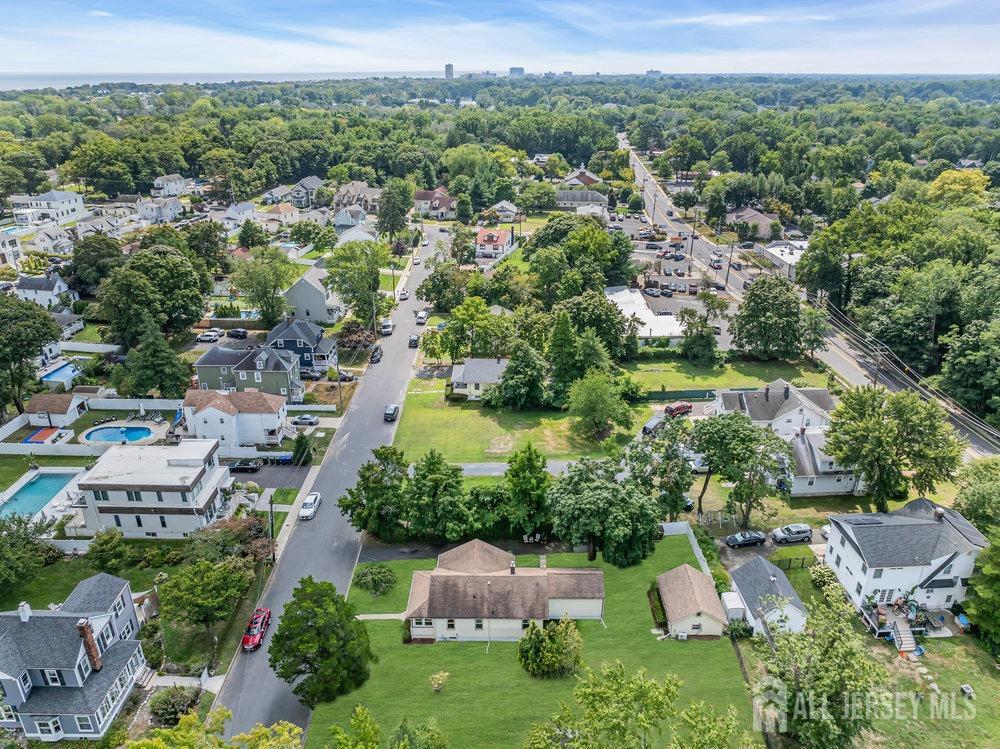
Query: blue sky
(200,36)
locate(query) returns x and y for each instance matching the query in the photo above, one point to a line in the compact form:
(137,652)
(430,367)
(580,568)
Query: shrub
(721,579)
(438,680)
(405,633)
(108,551)
(168,705)
(707,545)
(377,579)
(656,605)
(739,629)
(555,651)
(825,579)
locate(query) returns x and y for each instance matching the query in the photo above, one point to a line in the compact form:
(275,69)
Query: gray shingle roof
(311,182)
(246,359)
(64,318)
(759,582)
(770,401)
(86,699)
(96,594)
(39,283)
(581,196)
(300,330)
(909,536)
(486,371)
(47,640)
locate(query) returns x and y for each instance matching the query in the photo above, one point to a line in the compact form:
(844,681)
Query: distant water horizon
(27,81)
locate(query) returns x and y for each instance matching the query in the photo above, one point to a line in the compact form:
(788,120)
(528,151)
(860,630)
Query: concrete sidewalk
(213,685)
(381,617)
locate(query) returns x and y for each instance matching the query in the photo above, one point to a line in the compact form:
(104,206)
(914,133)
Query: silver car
(310,505)
(788,534)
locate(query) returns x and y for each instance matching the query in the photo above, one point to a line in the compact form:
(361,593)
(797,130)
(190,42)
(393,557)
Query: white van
(422,316)
(386,326)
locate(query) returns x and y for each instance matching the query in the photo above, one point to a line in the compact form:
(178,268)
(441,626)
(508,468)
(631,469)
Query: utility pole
(732,246)
(270,512)
(691,249)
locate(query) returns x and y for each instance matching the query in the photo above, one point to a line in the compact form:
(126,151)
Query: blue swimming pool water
(116,434)
(34,495)
(62,373)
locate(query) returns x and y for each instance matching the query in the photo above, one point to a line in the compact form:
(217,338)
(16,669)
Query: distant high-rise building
(516,73)
(567,72)
(654,72)
(449,71)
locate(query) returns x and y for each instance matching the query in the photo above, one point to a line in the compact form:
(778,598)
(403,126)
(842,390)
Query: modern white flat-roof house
(784,408)
(152,491)
(54,206)
(632,303)
(236,419)
(769,600)
(66,672)
(477,592)
(169,185)
(475,375)
(690,603)
(921,547)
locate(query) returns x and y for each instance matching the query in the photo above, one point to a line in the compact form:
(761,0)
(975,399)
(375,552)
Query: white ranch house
(768,598)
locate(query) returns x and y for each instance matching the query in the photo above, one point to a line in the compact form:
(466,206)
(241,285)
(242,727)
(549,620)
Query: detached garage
(690,602)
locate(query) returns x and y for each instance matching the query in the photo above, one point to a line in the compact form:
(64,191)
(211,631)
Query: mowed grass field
(678,374)
(468,433)
(489,701)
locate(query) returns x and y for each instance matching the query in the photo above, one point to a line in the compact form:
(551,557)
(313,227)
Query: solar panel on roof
(863,521)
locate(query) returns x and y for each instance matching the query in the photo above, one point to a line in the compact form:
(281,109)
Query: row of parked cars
(786,534)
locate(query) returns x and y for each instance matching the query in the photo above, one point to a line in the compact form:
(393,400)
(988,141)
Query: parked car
(666,292)
(376,356)
(253,635)
(310,374)
(240,333)
(789,534)
(736,265)
(422,316)
(746,246)
(218,331)
(404,294)
(692,289)
(414,341)
(385,326)
(643,219)
(425,243)
(391,412)
(688,503)
(310,506)
(653,425)
(306,420)
(209,336)
(745,538)
(650,291)
(653,246)
(416,260)
(746,284)
(715,265)
(678,409)
(679,256)
(665,312)
(246,465)
(342,376)
(825,531)
(680,272)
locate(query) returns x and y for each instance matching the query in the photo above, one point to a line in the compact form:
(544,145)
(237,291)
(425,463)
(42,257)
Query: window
(185,497)
(243,375)
(83,668)
(300,344)
(858,589)
(811,481)
(479,623)
(224,370)
(119,607)
(26,682)
(525,623)
(696,627)
(52,677)
(84,723)
(451,624)
(159,496)
(118,521)
(423,622)
(307,356)
(864,568)
(127,631)
(6,713)
(843,540)
(257,377)
(163,521)
(133,496)
(946,570)
(281,343)
(260,364)
(839,479)
(838,560)
(284,391)
(877,574)
(101,496)
(138,521)
(947,599)
(48,727)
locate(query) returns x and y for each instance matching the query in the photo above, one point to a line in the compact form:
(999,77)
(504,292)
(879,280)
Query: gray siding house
(264,369)
(303,195)
(304,339)
(67,672)
(309,299)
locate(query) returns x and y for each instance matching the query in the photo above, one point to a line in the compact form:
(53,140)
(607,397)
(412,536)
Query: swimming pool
(63,373)
(117,434)
(35,494)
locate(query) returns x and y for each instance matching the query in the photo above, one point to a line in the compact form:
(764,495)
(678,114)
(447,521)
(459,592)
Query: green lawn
(471,481)
(388,281)
(490,701)
(679,374)
(12,467)
(469,433)
(516,259)
(285,495)
(90,334)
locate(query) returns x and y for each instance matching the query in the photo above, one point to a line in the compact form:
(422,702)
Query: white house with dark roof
(169,185)
(475,375)
(779,405)
(570,200)
(303,194)
(436,203)
(477,592)
(922,547)
(58,206)
(349,216)
(236,419)
(10,250)
(66,673)
(768,598)
(152,491)
(276,195)
(52,239)
(505,210)
(68,323)
(814,473)
(238,214)
(45,291)
(160,210)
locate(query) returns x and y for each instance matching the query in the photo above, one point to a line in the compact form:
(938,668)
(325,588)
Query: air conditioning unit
(682,635)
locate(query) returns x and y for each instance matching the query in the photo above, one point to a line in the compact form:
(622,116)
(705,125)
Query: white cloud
(730,20)
(99,13)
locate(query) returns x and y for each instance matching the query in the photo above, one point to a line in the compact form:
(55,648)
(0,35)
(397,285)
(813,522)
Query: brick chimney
(24,611)
(89,643)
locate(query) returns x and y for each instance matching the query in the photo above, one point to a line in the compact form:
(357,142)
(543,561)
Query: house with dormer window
(304,339)
(261,368)
(66,673)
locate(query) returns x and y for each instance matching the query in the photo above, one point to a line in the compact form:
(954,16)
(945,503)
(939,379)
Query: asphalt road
(327,547)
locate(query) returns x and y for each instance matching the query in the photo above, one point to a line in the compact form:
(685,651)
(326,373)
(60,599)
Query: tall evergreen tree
(153,367)
(562,354)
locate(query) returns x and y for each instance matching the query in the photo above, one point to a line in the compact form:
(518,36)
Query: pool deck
(159,432)
(60,503)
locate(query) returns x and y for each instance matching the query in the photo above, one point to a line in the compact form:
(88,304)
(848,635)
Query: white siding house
(769,600)
(46,291)
(784,408)
(690,603)
(58,206)
(169,185)
(236,419)
(160,210)
(475,375)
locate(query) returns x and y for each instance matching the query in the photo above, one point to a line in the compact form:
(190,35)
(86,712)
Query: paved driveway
(327,547)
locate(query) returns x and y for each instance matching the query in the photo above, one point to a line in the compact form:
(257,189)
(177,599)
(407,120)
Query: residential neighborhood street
(327,547)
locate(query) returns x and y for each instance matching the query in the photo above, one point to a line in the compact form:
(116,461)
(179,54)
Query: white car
(425,243)
(825,531)
(310,505)
(209,336)
(404,294)
(416,261)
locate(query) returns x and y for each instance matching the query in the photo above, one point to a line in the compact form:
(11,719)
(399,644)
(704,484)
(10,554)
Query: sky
(620,36)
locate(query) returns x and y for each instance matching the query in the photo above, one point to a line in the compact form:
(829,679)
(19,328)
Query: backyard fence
(795,563)
(19,421)
(675,395)
(133,404)
(683,528)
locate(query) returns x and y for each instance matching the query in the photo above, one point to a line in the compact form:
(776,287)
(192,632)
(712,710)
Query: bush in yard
(168,705)
(377,579)
(739,629)
(656,604)
(108,552)
(825,579)
(438,680)
(552,652)
(721,579)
